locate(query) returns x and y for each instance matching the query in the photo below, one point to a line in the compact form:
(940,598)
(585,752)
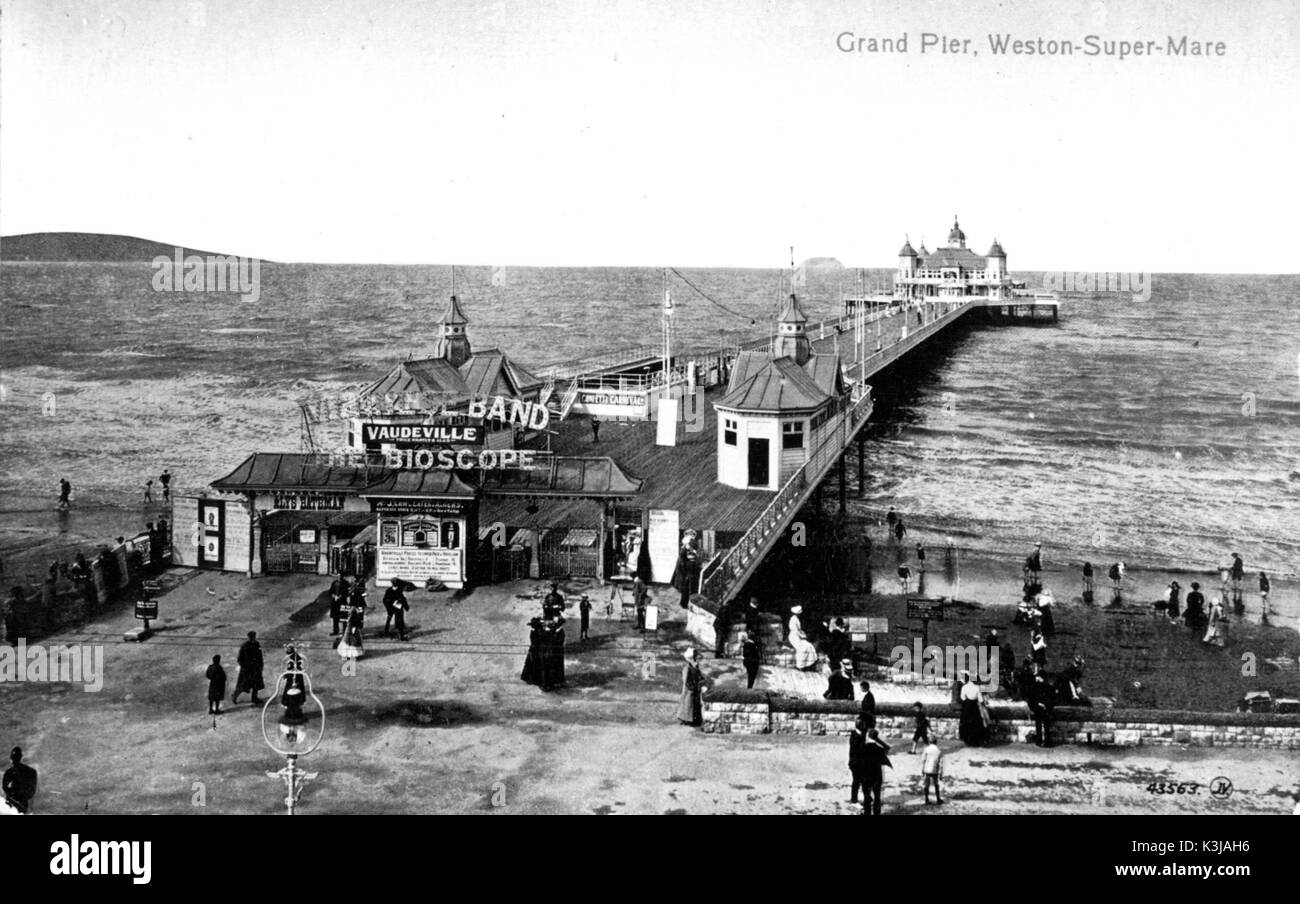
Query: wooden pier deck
(684,477)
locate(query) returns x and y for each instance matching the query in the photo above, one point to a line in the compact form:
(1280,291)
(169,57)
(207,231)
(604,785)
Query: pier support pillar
(844,489)
(861,468)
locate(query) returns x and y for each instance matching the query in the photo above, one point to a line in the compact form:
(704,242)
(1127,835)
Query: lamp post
(294,688)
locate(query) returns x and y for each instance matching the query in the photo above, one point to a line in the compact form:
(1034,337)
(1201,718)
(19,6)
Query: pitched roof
(825,372)
(293,471)
(746,365)
(491,372)
(996,250)
(906,250)
(781,385)
(428,376)
(564,475)
(953,257)
(431,482)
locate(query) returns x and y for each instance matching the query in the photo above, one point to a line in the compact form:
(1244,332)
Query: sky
(711,133)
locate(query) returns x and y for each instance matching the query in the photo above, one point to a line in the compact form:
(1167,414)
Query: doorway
(759,465)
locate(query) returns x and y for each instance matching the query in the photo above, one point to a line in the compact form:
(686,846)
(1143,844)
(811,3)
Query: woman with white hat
(805,654)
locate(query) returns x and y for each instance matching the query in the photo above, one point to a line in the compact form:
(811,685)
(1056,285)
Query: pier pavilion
(759,429)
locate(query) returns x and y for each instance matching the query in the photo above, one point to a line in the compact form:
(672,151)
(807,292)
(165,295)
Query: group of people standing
(249,680)
(544,662)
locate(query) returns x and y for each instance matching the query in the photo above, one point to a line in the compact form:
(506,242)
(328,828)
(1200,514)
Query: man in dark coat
(396,606)
(216,676)
(1040,697)
(339,591)
(840,684)
(250,669)
(868,705)
(750,656)
(857,759)
(19,782)
(686,575)
(875,756)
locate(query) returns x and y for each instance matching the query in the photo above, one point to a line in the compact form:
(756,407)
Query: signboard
(860,627)
(455,507)
(651,617)
(511,411)
(664,543)
(442,430)
(628,404)
(923,608)
(417,564)
(307,501)
(666,423)
(145,609)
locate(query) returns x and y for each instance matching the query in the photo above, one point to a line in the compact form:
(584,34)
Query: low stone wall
(740,711)
(34,611)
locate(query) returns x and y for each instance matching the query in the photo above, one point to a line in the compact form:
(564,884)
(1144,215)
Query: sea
(1161,432)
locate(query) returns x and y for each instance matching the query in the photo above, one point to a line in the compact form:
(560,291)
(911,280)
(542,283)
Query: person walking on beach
(920,557)
(922,732)
(584,614)
(595,429)
(1264,587)
(932,769)
(891,518)
(250,679)
(900,531)
(65,493)
(750,657)
(216,676)
(1039,697)
(1238,574)
(1194,614)
(165,478)
(904,579)
(1173,601)
(19,782)
(690,710)
(148,491)
(1216,629)
(1034,564)
(1087,582)
(1116,582)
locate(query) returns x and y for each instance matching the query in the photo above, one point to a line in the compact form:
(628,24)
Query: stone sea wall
(739,711)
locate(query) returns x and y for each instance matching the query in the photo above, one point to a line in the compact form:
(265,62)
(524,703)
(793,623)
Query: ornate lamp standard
(294,687)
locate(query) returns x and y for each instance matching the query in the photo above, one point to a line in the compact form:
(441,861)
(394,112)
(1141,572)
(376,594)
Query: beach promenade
(443,724)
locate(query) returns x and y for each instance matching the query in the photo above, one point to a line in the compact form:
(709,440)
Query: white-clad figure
(805,654)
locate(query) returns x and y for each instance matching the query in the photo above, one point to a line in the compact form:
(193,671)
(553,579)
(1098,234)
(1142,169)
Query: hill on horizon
(62,247)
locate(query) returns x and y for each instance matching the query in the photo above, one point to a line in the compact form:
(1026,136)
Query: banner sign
(422,506)
(307,501)
(449,431)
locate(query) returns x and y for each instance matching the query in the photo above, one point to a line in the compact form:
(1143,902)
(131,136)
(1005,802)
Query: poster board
(664,542)
(185,520)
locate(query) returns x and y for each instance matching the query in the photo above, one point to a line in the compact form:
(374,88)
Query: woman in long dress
(971,728)
(350,646)
(805,654)
(1217,630)
(690,711)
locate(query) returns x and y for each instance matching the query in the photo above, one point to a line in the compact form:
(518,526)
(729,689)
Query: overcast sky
(682,133)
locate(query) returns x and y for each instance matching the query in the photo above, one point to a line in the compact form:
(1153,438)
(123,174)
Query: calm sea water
(1162,432)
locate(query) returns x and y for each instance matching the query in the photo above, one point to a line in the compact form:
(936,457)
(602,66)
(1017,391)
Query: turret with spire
(453,343)
(791,340)
(956,238)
